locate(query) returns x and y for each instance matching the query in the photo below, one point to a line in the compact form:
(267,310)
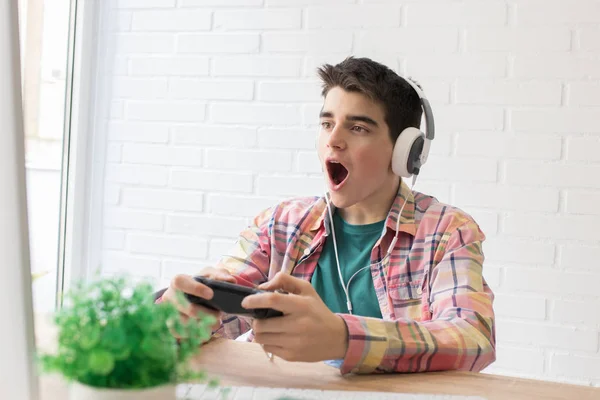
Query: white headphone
(411,149)
(410,153)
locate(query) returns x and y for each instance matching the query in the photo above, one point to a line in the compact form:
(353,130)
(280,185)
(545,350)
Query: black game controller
(228,299)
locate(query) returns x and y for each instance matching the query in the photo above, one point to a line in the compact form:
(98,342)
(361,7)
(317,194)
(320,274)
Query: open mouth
(337,172)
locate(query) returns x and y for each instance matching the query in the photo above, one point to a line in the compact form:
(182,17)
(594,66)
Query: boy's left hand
(308,331)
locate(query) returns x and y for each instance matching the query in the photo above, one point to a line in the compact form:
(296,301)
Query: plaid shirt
(436,306)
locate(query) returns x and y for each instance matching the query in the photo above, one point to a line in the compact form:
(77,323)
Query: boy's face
(355,150)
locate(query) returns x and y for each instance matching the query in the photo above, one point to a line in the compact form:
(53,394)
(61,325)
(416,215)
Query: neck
(374,208)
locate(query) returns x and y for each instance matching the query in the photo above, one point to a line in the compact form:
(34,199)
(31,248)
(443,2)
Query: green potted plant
(114,342)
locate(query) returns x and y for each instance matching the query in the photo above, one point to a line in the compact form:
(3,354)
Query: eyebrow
(358,118)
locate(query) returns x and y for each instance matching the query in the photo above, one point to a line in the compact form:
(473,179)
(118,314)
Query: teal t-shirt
(354,244)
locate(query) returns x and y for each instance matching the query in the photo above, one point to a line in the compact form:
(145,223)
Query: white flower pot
(79,391)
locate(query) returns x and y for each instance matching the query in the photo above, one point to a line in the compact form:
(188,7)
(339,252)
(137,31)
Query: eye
(326,125)
(358,129)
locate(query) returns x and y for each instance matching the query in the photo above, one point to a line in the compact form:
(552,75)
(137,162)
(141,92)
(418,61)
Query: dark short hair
(402,107)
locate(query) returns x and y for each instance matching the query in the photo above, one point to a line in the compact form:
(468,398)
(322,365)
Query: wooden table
(245,364)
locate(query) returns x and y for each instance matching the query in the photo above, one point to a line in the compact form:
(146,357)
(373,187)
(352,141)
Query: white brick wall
(212,111)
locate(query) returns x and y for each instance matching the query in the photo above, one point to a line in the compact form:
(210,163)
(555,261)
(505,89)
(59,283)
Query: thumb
(287,283)
(220,275)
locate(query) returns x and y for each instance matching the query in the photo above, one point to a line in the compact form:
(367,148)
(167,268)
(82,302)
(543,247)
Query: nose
(336,138)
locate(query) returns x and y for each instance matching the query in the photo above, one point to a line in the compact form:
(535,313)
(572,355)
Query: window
(44,27)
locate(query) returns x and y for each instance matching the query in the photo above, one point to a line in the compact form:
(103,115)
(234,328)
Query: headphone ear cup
(407,151)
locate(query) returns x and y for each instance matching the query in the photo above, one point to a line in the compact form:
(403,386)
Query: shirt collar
(407,219)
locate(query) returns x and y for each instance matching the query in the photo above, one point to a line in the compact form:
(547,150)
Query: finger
(218,275)
(286,303)
(277,325)
(187,284)
(287,283)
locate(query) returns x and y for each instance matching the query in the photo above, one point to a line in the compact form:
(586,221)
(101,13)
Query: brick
(249,160)
(442,144)
(579,257)
(239,206)
(529,307)
(161,155)
(305,2)
(508,93)
(310,114)
(138,132)
(308,162)
(171,20)
(182,89)
(492,274)
(353,16)
(113,239)
(551,174)
(112,193)
(408,40)
(583,202)
(219,3)
(584,313)
(167,200)
(137,174)
(518,40)
(458,65)
(559,120)
(212,181)
(218,248)
(205,225)
(574,227)
(504,197)
(114,153)
(130,43)
(175,111)
(437,91)
(467,117)
(271,66)
(442,168)
(289,186)
(557,13)
(207,135)
(585,149)
(117,65)
(556,66)
(117,111)
(522,251)
(551,282)
(279,138)
(244,113)
(214,43)
(504,146)
(589,39)
(145,3)
(258,19)
(176,267)
(575,366)
(302,91)
(584,93)
(130,219)
(487,221)
(120,21)
(547,335)
(314,42)
(168,245)
(121,262)
(133,88)
(519,360)
(469,13)
(169,66)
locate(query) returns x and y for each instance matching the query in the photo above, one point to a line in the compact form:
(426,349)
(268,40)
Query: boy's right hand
(187,284)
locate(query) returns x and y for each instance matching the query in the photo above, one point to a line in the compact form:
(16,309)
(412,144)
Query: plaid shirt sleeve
(249,263)
(457,332)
